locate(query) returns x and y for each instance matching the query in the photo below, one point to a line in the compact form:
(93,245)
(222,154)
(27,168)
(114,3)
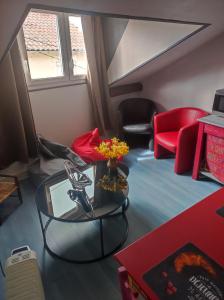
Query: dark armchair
(136,117)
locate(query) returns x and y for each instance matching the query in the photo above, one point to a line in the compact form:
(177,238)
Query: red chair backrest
(188,115)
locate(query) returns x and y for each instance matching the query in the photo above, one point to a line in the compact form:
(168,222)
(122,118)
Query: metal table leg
(2,270)
(101,237)
(103,254)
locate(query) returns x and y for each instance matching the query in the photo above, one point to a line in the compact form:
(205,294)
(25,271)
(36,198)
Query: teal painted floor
(156,195)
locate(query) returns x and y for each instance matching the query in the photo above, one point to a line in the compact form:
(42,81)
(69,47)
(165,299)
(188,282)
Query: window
(43,46)
(54,49)
(77,46)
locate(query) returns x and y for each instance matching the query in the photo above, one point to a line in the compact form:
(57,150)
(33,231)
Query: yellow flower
(113,148)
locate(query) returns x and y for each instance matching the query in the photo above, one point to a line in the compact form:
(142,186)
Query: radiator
(23,278)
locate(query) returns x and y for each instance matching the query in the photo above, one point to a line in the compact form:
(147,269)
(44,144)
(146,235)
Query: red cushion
(85,145)
(168,140)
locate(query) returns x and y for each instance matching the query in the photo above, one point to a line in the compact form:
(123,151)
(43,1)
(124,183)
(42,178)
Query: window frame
(66,57)
(69,48)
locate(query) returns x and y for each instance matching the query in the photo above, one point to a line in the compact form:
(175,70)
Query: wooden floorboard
(156,195)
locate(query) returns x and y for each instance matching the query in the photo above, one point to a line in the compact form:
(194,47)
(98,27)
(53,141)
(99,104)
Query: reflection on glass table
(68,209)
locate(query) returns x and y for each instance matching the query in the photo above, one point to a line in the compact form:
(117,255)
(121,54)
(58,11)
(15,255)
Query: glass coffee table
(74,235)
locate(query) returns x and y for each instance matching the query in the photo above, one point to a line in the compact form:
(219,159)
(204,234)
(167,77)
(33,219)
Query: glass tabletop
(53,200)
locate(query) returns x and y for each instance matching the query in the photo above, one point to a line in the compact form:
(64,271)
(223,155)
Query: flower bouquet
(113,150)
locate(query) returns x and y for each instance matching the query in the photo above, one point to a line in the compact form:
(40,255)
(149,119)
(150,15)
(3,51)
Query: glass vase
(112,165)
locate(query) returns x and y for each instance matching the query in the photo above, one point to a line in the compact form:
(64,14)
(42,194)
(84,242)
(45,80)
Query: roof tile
(41,33)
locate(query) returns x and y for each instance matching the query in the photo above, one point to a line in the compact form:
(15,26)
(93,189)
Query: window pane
(43,45)
(78,46)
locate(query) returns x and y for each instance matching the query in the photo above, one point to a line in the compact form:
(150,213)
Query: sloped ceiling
(143,41)
(12,13)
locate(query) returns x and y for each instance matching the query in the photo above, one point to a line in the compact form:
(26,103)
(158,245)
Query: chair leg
(151,143)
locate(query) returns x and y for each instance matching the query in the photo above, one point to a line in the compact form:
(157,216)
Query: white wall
(142,41)
(190,81)
(61,114)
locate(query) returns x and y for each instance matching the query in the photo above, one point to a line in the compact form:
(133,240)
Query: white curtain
(97,73)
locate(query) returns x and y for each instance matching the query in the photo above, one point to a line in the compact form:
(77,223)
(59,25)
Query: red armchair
(175,132)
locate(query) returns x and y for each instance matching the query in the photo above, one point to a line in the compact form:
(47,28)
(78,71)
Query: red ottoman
(85,145)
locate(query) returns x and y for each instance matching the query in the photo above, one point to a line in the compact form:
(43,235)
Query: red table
(200,225)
